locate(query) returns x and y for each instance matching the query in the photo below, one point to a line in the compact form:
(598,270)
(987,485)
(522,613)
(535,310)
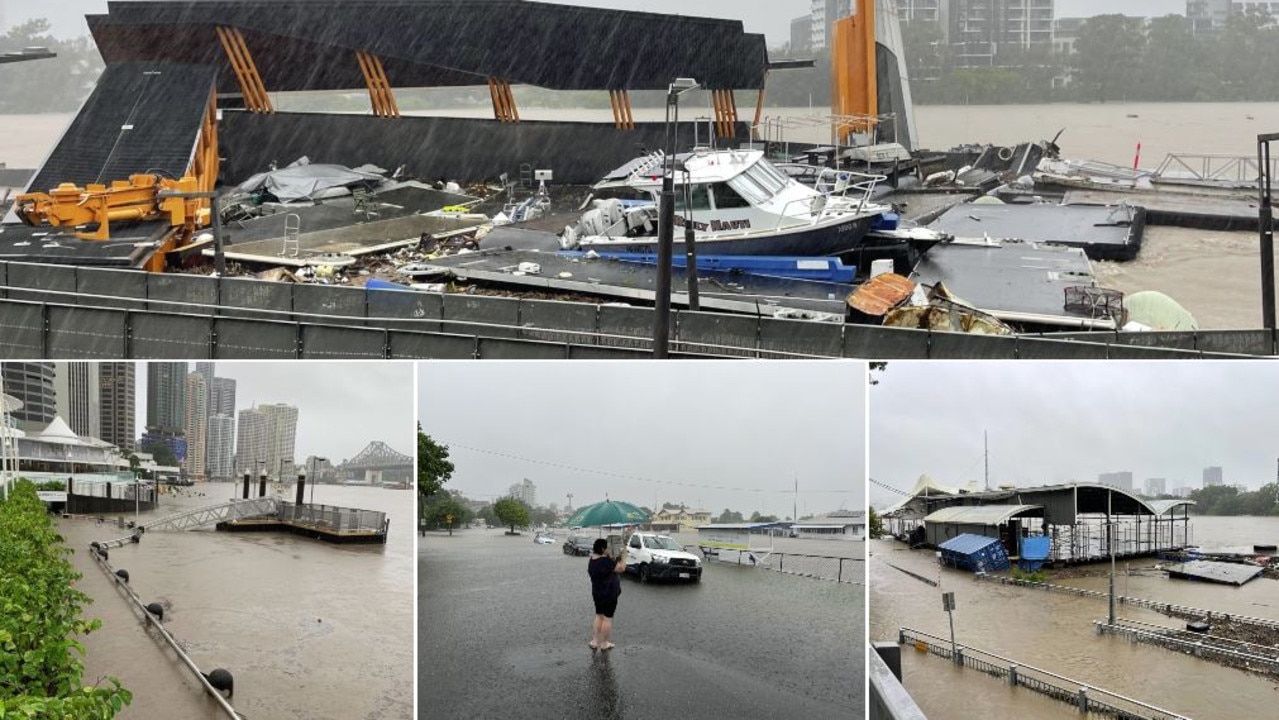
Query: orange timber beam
(855,88)
(246,72)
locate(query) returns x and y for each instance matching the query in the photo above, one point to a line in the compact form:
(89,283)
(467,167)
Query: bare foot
(607,646)
(592,645)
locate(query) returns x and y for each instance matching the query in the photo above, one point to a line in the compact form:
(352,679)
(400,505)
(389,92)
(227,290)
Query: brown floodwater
(1055,632)
(310,630)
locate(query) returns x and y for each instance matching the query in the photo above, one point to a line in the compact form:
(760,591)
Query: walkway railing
(1236,653)
(1087,698)
(1171,609)
(820,567)
(336,519)
(135,602)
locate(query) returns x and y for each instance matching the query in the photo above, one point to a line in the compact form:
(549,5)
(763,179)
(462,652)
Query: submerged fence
(1089,699)
(1166,608)
(819,567)
(1252,657)
(86,313)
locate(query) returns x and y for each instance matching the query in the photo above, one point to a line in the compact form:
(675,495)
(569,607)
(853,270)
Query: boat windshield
(701,198)
(661,542)
(727,198)
(749,188)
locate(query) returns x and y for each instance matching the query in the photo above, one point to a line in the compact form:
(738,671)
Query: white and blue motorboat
(737,202)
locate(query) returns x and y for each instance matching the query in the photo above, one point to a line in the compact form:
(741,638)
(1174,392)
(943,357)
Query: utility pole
(1110,536)
(1267,230)
(985,437)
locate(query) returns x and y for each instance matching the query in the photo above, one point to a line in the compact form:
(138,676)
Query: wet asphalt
(503,627)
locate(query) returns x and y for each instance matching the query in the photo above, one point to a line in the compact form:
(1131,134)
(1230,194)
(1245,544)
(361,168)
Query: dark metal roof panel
(443,42)
(141,117)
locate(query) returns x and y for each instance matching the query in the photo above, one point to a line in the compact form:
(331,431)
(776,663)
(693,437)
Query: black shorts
(606,607)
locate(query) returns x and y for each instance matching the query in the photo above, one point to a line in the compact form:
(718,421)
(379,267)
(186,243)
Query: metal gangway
(1213,168)
(199,517)
(1087,698)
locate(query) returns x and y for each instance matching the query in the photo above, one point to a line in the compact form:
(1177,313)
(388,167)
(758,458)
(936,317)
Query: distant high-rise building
(1212,476)
(32,383)
(525,491)
(822,17)
(78,397)
(250,442)
(117,386)
(1121,480)
(281,438)
(1156,486)
(196,427)
(221,454)
(166,398)
(801,35)
(979,31)
(222,397)
(929,11)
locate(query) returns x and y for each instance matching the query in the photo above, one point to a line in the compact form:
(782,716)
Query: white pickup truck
(651,556)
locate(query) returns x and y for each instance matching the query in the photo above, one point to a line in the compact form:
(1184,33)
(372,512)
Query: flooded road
(504,625)
(309,630)
(1055,632)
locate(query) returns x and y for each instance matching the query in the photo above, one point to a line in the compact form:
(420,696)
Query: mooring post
(246,484)
(262,486)
(301,488)
(1083,701)
(1012,675)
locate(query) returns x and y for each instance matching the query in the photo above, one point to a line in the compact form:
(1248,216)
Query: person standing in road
(606,587)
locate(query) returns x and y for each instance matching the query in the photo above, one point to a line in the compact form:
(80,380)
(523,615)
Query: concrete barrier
(480,315)
(879,343)
(257,295)
(946,346)
(22,330)
(715,333)
(236,339)
(79,333)
(170,337)
(29,281)
(198,294)
(569,322)
(406,345)
(111,288)
(630,326)
(786,338)
(1242,342)
(329,300)
(508,349)
(326,342)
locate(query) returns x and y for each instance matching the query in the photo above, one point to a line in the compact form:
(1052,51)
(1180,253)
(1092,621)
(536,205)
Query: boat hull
(804,242)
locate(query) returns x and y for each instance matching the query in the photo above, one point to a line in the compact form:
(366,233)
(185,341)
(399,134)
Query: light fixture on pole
(666,221)
(1267,227)
(315,472)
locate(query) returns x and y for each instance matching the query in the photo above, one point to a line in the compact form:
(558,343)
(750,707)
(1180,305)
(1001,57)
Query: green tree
(57,84)
(876,527)
(433,465)
(1173,66)
(729,516)
(1108,51)
(445,510)
(511,512)
(160,452)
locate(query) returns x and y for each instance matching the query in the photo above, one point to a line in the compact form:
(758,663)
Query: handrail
(905,633)
(133,598)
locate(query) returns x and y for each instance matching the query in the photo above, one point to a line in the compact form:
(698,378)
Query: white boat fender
(529,268)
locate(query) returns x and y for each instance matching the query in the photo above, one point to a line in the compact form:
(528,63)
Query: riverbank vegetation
(1229,500)
(1115,58)
(41,659)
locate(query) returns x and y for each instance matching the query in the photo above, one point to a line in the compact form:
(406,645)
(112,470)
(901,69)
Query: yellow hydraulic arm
(141,198)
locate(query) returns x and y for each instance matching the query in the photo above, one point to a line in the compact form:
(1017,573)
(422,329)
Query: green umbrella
(609,512)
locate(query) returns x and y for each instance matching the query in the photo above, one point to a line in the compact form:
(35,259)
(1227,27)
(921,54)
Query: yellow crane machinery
(141,198)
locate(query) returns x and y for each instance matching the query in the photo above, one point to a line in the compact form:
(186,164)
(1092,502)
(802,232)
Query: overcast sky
(771,17)
(342,406)
(1054,422)
(710,435)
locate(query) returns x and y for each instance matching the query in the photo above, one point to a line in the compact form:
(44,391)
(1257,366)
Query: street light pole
(1267,231)
(666,223)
